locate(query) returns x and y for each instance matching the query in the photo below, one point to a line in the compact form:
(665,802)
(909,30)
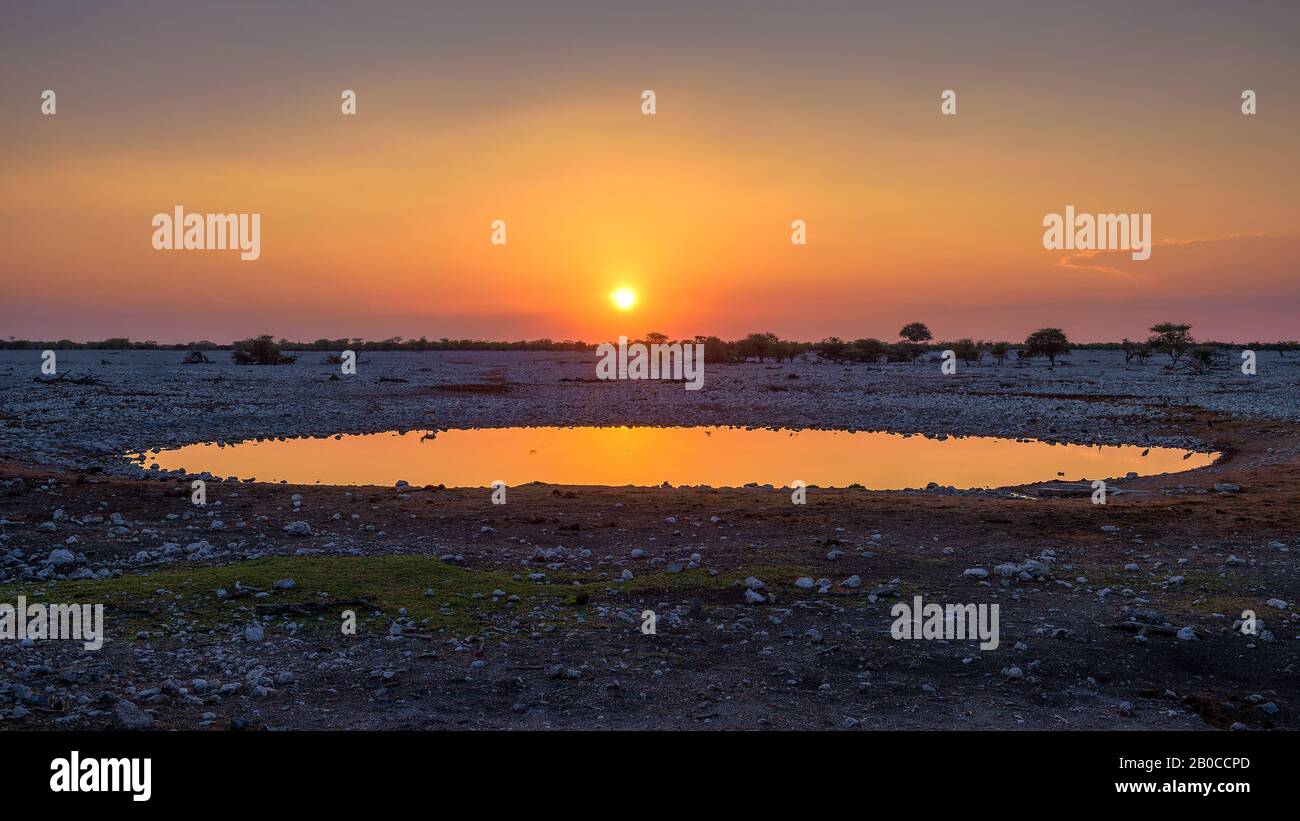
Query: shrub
(261,350)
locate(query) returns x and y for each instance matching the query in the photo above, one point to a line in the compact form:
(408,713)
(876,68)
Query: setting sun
(623,298)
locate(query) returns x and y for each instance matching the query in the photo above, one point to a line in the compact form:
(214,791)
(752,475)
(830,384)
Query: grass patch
(1202,591)
(185,594)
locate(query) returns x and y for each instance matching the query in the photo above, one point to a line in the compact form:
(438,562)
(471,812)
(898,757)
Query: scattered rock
(127,716)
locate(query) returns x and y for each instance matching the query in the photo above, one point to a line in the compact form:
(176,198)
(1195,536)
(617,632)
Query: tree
(1135,350)
(1201,359)
(1171,338)
(757,345)
(716,351)
(1048,342)
(867,350)
(966,350)
(656,338)
(1000,351)
(916,332)
(831,348)
(784,350)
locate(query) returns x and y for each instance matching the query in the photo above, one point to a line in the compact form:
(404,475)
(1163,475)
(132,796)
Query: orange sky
(378,225)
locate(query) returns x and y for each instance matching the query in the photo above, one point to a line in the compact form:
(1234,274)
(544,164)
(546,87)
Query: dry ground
(567,652)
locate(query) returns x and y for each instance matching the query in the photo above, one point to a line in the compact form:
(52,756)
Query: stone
(127,716)
(60,557)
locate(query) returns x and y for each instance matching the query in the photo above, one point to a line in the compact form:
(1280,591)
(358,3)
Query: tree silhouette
(1048,342)
(1172,338)
(916,332)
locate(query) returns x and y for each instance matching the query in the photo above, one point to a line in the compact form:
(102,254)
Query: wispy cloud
(1093,260)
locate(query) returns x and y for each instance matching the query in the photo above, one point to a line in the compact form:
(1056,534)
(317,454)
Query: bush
(260,351)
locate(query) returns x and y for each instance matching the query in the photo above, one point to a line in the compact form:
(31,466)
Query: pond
(646,456)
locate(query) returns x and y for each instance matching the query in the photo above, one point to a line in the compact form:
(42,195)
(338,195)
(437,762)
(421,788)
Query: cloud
(1195,257)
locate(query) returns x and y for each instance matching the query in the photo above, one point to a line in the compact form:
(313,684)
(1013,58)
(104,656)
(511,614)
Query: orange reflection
(644,456)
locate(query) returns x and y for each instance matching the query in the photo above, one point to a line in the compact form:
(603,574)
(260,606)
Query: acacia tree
(1048,342)
(915,333)
(1172,338)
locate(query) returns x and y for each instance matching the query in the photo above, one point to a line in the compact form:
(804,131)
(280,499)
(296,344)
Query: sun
(623,298)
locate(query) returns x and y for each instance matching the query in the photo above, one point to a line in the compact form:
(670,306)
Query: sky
(380,224)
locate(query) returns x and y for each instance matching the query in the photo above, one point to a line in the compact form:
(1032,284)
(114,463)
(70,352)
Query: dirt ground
(457,630)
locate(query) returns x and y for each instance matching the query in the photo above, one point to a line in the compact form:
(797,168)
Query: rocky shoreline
(150,400)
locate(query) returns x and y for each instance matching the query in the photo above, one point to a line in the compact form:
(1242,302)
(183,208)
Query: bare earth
(458,630)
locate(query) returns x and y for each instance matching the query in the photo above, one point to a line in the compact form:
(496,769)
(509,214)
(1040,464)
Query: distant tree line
(1168,340)
(396,343)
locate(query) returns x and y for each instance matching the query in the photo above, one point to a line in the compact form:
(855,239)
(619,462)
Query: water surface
(716,456)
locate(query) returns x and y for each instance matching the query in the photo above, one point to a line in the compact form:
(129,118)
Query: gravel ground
(527,615)
(148,399)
